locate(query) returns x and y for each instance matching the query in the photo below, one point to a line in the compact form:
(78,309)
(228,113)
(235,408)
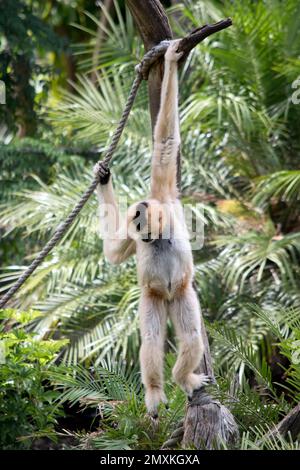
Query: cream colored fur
(164,266)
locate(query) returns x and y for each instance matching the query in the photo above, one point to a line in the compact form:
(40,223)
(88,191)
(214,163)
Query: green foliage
(115,389)
(93,111)
(22,35)
(284,185)
(241,154)
(22,158)
(27,404)
(121,45)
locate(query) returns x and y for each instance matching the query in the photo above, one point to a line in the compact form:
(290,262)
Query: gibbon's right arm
(166,132)
(117,245)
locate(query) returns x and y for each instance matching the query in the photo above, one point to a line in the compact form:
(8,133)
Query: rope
(151,57)
(142,70)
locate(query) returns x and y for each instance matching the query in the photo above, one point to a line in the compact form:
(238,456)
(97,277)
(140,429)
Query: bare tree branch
(289,424)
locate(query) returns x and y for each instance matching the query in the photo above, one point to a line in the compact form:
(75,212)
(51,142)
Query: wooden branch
(199,34)
(153,25)
(151,21)
(187,43)
(289,424)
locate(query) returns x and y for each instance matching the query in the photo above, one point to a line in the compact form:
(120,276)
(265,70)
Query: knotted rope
(142,71)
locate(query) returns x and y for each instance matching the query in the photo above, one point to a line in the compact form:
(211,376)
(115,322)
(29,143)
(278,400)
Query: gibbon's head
(149,220)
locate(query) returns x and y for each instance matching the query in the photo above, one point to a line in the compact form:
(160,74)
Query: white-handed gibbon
(155,230)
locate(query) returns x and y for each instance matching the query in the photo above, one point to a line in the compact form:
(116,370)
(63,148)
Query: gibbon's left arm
(117,244)
(166,132)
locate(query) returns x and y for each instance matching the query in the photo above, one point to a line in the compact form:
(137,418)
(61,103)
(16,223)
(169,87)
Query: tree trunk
(207,422)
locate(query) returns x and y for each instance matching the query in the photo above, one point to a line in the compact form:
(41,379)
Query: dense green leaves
(240,172)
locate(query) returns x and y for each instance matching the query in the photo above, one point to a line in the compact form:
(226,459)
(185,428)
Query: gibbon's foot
(171,54)
(103,172)
(153,397)
(194,382)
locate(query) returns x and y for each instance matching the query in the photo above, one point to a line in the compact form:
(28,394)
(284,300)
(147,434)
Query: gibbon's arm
(166,132)
(117,245)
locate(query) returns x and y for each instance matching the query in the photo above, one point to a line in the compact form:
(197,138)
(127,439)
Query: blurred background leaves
(240,170)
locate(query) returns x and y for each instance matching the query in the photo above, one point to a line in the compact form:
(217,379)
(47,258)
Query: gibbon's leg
(185,314)
(166,132)
(117,245)
(153,318)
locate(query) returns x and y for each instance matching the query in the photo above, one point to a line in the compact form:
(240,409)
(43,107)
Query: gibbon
(155,230)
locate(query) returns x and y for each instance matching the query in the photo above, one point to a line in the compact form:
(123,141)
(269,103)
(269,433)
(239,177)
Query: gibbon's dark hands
(103,172)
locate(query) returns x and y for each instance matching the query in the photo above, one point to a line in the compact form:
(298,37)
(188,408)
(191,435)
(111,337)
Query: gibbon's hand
(103,173)
(171,54)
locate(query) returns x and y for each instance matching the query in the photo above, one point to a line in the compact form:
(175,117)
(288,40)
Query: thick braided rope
(142,72)
(151,56)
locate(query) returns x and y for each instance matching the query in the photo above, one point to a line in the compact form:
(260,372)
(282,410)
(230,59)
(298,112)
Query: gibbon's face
(149,220)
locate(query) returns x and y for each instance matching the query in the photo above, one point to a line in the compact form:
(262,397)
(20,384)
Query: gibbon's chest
(163,264)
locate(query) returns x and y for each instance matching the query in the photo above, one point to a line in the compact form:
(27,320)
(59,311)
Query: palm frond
(118,45)
(93,111)
(284,185)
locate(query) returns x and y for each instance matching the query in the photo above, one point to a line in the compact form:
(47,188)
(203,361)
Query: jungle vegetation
(70,338)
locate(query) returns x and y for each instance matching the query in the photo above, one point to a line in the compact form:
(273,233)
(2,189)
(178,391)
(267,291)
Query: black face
(147,238)
(140,218)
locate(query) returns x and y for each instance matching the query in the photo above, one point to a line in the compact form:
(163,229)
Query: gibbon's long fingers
(185,314)
(153,318)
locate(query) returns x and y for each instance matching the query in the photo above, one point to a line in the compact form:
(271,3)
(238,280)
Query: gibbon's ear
(140,219)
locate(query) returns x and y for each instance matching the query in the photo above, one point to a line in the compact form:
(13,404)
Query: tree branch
(153,25)
(199,34)
(289,424)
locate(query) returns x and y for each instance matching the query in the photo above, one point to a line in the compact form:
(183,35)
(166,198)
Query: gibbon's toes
(102,172)
(153,398)
(206,380)
(194,382)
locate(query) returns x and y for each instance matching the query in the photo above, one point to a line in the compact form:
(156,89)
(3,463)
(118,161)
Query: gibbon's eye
(137,225)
